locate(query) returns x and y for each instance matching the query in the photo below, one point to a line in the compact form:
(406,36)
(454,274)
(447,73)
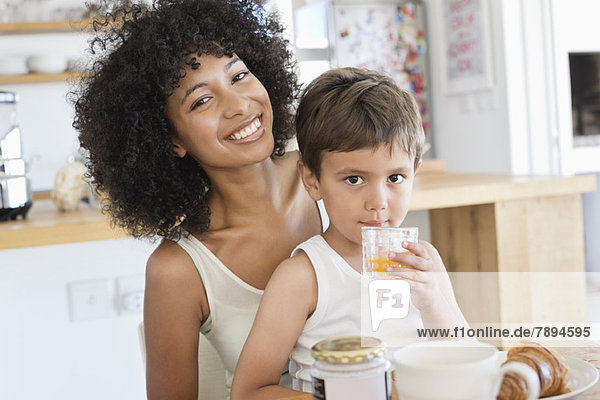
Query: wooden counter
(433,190)
(45,225)
(521,235)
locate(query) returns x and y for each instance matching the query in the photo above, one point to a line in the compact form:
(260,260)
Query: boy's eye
(239,76)
(199,102)
(354,180)
(396,178)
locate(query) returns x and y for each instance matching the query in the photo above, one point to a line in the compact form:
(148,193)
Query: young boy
(360,139)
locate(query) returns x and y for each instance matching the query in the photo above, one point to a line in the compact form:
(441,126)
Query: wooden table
(589,354)
(510,224)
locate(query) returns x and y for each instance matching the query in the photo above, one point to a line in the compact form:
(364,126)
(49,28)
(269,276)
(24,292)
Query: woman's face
(221,114)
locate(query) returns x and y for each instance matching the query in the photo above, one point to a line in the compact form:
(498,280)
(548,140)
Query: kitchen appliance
(15,186)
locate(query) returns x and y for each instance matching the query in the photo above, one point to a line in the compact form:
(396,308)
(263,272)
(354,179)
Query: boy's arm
(431,289)
(289,299)
(446,288)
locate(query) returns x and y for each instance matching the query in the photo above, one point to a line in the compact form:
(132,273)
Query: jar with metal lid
(350,368)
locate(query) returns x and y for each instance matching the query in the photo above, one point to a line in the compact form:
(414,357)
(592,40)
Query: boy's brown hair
(347,109)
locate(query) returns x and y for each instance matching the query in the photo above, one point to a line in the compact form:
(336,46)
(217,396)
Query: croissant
(550,366)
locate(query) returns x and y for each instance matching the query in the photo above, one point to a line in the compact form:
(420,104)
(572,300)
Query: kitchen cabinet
(70,360)
(20,28)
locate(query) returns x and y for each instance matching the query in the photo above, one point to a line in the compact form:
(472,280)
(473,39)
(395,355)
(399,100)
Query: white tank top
(338,311)
(233,303)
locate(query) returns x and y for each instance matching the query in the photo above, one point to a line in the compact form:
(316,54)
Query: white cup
(455,370)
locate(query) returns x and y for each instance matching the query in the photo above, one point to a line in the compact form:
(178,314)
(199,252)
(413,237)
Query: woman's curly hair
(120,106)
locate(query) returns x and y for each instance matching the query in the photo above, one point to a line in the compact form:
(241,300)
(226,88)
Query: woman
(186,115)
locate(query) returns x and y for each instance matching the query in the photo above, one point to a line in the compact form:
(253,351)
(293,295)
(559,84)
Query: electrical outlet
(130,294)
(89,300)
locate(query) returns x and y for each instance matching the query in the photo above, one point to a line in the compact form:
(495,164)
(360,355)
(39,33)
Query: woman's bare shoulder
(171,276)
(169,261)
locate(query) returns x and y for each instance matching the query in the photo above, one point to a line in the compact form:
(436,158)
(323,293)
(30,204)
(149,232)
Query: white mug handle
(533,381)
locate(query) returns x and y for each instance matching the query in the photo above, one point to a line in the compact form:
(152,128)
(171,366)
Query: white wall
(529,79)
(470,130)
(43,355)
(512,127)
(44,115)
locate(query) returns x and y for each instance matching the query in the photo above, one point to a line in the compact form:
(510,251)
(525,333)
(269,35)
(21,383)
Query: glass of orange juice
(378,242)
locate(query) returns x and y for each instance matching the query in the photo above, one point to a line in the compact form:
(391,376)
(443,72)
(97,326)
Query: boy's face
(366,187)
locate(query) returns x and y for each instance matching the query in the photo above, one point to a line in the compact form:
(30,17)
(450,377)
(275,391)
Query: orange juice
(380,263)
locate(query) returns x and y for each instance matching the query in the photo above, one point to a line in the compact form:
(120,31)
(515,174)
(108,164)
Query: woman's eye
(354,180)
(396,178)
(239,76)
(199,102)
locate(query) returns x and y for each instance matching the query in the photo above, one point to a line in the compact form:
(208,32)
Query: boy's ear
(177,147)
(310,181)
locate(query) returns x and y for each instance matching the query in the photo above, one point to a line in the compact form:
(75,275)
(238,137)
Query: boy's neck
(351,252)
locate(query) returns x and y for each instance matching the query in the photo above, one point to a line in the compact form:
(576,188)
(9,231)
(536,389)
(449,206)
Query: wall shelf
(39,78)
(43,26)
(16,28)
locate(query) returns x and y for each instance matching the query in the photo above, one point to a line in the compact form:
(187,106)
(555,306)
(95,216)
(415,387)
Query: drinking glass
(378,242)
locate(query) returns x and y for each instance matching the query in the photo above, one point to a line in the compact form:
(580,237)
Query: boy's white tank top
(338,311)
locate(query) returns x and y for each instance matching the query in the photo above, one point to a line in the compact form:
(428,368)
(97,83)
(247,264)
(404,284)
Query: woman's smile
(249,132)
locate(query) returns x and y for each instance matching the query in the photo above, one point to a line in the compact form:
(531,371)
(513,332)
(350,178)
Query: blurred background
(504,86)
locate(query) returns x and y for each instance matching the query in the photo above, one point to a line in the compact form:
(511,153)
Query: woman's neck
(245,193)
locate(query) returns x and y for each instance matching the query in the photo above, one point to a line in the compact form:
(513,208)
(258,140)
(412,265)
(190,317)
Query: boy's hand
(424,272)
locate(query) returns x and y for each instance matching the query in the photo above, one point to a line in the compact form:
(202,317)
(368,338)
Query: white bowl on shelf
(47,64)
(77,64)
(12,65)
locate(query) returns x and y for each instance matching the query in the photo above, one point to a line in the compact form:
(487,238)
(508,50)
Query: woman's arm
(289,299)
(174,306)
